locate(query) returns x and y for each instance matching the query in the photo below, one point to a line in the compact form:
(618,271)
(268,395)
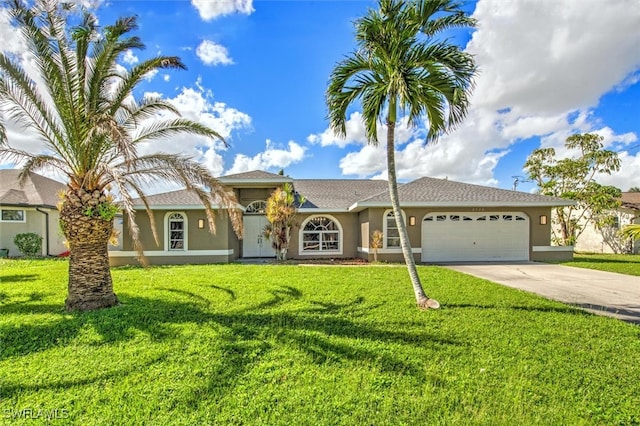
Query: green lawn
(628,264)
(306,345)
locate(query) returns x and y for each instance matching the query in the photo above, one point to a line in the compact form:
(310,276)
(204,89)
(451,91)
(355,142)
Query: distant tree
(80,103)
(377,239)
(403,65)
(281,213)
(634,189)
(574,178)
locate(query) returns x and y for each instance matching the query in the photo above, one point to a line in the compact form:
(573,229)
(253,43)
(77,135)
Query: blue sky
(257,72)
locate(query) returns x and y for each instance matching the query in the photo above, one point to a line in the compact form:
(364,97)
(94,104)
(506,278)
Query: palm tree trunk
(90,286)
(423,301)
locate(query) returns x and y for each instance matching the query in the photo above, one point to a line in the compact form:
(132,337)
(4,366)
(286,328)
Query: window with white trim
(176,225)
(321,234)
(256,207)
(12,215)
(391,231)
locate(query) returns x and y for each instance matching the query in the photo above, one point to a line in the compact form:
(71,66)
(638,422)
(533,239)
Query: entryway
(254,243)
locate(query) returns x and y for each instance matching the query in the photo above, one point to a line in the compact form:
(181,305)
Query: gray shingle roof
(336,193)
(357,194)
(36,191)
(254,176)
(183,198)
(442,192)
(631,200)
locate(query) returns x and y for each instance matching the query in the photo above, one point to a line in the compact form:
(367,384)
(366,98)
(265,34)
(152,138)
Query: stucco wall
(539,235)
(201,245)
(607,239)
(36,223)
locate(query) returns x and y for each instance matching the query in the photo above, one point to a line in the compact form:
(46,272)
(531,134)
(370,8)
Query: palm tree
(81,104)
(402,67)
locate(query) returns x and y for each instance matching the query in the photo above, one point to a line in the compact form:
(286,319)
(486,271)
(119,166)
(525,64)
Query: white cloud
(213,54)
(130,58)
(211,9)
(356,133)
(166,77)
(271,157)
(543,67)
(549,57)
(150,75)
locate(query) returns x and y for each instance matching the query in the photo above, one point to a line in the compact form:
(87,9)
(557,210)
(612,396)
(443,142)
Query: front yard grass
(628,264)
(308,345)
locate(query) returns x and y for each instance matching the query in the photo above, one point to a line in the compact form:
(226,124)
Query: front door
(254,243)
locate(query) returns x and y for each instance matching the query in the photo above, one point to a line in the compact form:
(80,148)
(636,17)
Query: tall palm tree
(80,103)
(402,67)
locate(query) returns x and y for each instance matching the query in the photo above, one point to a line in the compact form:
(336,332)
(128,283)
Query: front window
(256,207)
(392,233)
(176,232)
(321,234)
(8,215)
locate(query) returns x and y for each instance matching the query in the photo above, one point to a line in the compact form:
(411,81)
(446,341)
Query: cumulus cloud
(213,54)
(130,58)
(543,67)
(211,9)
(356,133)
(272,157)
(198,104)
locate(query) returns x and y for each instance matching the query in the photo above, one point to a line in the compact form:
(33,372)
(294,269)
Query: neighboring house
(30,208)
(607,239)
(447,221)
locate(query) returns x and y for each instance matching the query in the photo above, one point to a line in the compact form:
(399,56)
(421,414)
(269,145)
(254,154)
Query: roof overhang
(315,210)
(184,207)
(254,183)
(359,206)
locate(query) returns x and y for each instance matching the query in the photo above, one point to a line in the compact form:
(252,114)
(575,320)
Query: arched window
(176,232)
(321,234)
(256,207)
(391,231)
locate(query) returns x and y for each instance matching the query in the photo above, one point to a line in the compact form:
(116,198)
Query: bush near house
(29,244)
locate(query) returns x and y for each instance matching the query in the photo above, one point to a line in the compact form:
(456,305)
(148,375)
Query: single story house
(607,239)
(30,208)
(447,221)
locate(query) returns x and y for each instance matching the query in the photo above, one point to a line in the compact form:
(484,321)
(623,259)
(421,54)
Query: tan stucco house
(30,208)
(607,238)
(447,222)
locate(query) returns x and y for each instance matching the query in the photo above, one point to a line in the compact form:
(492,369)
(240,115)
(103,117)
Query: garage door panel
(461,236)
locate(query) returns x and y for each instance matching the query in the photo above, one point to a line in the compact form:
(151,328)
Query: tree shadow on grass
(601,260)
(244,336)
(569,310)
(8,279)
(29,305)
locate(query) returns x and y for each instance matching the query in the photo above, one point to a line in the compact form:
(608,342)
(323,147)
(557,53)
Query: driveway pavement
(603,293)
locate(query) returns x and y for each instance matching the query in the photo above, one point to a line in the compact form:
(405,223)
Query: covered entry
(254,244)
(466,236)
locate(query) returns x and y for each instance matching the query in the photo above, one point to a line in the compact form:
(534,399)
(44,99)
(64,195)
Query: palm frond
(166,128)
(631,231)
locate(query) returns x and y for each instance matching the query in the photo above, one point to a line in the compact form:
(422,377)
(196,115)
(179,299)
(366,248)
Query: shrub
(29,243)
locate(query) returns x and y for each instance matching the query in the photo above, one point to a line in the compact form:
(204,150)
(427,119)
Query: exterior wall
(35,222)
(607,240)
(201,245)
(247,195)
(539,235)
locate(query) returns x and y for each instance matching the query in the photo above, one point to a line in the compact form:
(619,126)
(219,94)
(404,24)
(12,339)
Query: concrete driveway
(603,293)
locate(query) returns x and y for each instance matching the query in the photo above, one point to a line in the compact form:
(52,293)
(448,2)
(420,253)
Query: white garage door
(462,236)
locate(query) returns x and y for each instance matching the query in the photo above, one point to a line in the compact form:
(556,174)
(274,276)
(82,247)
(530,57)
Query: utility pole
(517,180)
